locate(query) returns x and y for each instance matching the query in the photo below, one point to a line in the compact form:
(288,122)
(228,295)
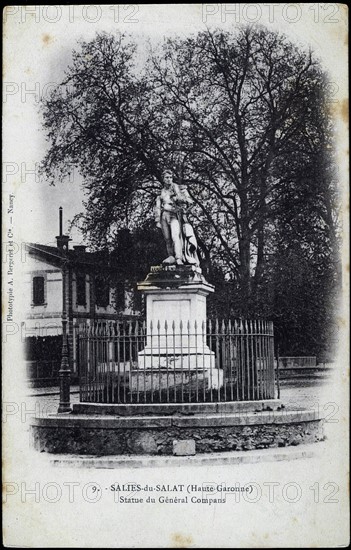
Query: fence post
(278,381)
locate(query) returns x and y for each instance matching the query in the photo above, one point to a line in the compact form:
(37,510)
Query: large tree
(242,119)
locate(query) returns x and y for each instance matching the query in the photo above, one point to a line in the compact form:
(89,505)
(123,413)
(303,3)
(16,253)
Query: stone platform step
(128,435)
(169,409)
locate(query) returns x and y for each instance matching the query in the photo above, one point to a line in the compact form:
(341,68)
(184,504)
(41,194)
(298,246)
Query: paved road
(302,393)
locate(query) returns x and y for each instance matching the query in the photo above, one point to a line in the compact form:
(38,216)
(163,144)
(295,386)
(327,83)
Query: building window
(81,290)
(102,292)
(120,296)
(38,291)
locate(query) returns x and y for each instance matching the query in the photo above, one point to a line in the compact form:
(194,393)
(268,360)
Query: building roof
(55,256)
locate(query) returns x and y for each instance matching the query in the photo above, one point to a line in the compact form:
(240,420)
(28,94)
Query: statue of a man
(171,216)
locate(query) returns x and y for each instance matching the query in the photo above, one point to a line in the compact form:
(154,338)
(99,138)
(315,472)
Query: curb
(52,392)
(215,459)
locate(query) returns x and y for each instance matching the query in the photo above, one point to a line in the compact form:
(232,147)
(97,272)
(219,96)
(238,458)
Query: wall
(45,319)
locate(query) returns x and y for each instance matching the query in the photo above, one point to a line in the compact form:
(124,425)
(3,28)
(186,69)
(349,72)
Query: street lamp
(64,372)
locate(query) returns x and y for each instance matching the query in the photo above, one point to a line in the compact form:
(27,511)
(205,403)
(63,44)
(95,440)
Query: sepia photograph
(175,276)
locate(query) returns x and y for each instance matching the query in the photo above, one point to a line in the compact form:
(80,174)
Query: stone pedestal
(176,346)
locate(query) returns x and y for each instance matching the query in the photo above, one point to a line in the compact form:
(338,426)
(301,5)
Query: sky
(38,43)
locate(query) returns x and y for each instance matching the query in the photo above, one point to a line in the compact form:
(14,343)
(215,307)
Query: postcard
(175,275)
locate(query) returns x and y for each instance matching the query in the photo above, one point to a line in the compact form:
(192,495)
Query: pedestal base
(177,379)
(181,358)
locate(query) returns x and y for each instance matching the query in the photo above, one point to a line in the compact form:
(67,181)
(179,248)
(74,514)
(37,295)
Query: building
(95,292)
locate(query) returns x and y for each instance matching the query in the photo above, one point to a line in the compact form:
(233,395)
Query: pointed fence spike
(173,326)
(166,325)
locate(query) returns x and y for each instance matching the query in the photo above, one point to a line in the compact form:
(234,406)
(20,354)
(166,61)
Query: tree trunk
(260,238)
(244,271)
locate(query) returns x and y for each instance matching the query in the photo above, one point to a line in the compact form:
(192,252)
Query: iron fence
(129,362)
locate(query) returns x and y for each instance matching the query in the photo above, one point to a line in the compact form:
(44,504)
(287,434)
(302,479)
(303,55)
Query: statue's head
(167,176)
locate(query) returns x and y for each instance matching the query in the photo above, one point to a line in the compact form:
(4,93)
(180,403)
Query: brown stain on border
(344,110)
(181,541)
(340,109)
(47,39)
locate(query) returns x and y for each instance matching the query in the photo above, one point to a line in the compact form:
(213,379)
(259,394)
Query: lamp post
(64,372)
